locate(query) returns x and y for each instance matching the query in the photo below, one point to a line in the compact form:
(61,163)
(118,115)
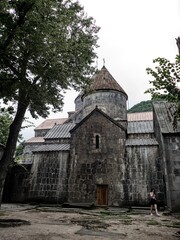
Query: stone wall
(41,132)
(16,188)
(113,103)
(28,154)
(172,151)
(143,172)
(169,145)
(49,174)
(97,166)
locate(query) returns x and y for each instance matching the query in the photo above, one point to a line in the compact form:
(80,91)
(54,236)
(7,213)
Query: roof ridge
(103,80)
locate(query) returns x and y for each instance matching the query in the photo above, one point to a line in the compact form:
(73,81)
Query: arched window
(97,141)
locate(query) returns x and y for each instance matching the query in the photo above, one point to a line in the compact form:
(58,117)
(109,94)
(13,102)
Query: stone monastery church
(101,155)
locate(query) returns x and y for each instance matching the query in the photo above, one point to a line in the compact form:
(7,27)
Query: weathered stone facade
(101,155)
(49,175)
(169,150)
(173,168)
(17,184)
(143,169)
(97,158)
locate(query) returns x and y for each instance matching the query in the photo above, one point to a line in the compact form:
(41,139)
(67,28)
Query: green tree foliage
(6,119)
(20,148)
(46,47)
(5,122)
(166,80)
(19,151)
(144,106)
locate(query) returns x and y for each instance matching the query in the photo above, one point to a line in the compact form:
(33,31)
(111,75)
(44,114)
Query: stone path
(50,222)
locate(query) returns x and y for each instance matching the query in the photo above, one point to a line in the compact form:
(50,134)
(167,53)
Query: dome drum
(111,102)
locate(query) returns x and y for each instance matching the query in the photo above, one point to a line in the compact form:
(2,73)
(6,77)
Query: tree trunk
(178,44)
(10,147)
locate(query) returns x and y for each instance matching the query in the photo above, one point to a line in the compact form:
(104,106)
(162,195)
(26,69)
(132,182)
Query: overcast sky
(132,34)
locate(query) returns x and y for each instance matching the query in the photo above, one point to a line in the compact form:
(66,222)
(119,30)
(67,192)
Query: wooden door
(102,195)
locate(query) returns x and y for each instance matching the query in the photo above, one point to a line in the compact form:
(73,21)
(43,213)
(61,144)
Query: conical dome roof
(103,80)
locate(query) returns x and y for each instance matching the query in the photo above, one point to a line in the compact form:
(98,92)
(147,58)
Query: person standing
(153,202)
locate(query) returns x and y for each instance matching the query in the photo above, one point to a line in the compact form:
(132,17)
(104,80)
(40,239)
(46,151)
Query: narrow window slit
(97,141)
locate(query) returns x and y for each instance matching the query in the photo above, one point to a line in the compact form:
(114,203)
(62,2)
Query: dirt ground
(26,222)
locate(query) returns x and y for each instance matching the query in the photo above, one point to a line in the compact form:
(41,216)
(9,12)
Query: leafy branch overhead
(166,81)
(46,47)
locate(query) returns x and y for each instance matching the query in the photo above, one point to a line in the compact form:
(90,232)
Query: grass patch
(176,224)
(173,225)
(106,213)
(153,222)
(110,215)
(125,217)
(165,220)
(126,221)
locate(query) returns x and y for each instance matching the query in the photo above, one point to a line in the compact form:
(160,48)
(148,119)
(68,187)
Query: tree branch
(5,60)
(24,8)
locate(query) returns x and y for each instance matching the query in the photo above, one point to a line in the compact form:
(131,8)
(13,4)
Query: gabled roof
(101,112)
(49,123)
(103,80)
(141,142)
(52,147)
(35,140)
(140,116)
(140,127)
(74,115)
(164,112)
(59,131)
